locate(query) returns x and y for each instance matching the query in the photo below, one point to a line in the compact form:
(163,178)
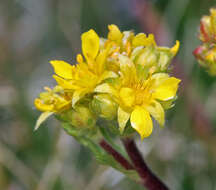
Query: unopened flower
(208,27)
(80,117)
(140,48)
(206,53)
(104,106)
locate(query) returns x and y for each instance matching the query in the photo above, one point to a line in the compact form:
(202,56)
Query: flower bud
(80,117)
(208,27)
(104,106)
(158,58)
(147,57)
(206,55)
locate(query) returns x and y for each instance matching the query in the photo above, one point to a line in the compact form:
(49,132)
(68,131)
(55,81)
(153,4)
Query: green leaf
(100,154)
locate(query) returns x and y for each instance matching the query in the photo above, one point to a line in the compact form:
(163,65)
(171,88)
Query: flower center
(138,93)
(143,92)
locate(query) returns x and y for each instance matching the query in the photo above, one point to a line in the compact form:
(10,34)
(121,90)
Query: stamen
(47,89)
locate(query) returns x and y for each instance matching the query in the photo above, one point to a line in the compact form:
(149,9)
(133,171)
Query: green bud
(147,57)
(150,57)
(104,106)
(208,28)
(80,117)
(164,60)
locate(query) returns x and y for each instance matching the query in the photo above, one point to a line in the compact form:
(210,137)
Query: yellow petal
(156,111)
(90,44)
(125,63)
(175,48)
(123,117)
(100,62)
(141,122)
(108,74)
(151,39)
(42,118)
(159,78)
(139,40)
(63,83)
(167,89)
(62,69)
(127,96)
(105,88)
(127,67)
(63,105)
(114,33)
(77,95)
(142,40)
(41,106)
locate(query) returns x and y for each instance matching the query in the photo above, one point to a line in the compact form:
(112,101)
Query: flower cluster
(123,77)
(206,53)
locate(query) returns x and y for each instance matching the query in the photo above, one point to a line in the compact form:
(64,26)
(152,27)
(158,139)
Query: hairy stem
(149,180)
(116,155)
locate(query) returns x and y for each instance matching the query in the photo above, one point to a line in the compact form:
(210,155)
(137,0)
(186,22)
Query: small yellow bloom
(51,101)
(82,78)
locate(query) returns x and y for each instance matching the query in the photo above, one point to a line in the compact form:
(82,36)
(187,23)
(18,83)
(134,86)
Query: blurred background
(33,32)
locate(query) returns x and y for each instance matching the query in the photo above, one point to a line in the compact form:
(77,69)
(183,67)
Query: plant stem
(116,155)
(149,180)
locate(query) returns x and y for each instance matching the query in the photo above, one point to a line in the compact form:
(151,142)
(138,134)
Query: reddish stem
(116,155)
(149,180)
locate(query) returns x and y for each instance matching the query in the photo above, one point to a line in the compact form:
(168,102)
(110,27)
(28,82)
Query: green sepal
(81,132)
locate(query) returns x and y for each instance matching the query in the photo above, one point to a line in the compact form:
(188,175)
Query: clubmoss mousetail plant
(118,85)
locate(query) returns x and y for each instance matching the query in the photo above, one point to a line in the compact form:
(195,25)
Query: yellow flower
(139,97)
(82,78)
(51,101)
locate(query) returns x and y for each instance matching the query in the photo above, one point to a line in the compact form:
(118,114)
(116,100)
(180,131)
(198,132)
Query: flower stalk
(149,179)
(116,155)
